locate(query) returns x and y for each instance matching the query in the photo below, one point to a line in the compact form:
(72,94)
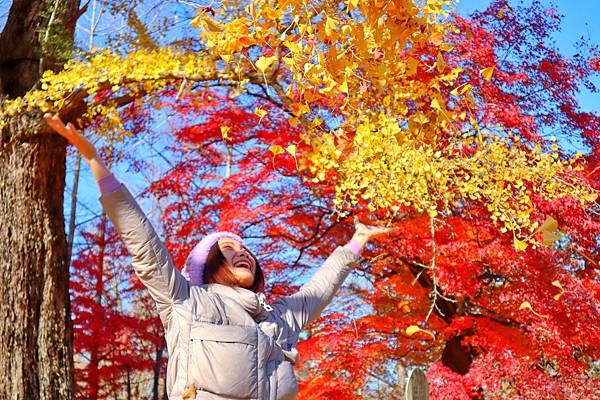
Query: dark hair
(215,270)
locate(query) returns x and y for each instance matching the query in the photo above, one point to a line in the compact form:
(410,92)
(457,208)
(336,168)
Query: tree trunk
(35,328)
(35,325)
(156,370)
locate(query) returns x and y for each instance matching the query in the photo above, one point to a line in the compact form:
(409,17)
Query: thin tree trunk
(99,292)
(35,325)
(156,377)
(128,376)
(73,215)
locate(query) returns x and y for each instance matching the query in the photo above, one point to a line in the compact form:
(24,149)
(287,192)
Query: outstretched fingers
(69,132)
(371,231)
(58,125)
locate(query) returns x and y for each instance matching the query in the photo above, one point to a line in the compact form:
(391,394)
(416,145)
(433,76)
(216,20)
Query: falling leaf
(263,63)
(276,150)
(435,104)
(557,284)
(562,290)
(550,224)
(527,305)
(446,47)
(411,330)
(487,73)
(226,137)
(549,230)
(261,113)
(520,245)
(291,149)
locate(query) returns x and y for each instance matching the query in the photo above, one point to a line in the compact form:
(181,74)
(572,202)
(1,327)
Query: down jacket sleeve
(151,260)
(306,305)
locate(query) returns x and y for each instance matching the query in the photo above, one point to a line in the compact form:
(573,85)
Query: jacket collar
(253,303)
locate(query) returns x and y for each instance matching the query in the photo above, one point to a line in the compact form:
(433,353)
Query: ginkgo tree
(377,88)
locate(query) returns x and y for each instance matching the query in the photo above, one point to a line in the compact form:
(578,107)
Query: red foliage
(116,330)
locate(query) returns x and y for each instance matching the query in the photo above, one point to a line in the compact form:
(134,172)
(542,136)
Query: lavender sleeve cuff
(354,246)
(108,184)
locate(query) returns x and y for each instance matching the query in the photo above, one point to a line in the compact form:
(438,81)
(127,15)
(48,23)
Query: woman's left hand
(363,233)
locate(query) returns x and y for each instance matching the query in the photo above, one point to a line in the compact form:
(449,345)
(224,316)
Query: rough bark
(35,332)
(35,325)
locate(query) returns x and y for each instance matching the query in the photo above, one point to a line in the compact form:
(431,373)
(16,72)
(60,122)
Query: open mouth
(243,264)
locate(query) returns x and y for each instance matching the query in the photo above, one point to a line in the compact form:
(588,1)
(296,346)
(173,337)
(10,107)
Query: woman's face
(239,261)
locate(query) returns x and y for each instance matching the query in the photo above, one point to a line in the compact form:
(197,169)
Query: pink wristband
(108,184)
(354,246)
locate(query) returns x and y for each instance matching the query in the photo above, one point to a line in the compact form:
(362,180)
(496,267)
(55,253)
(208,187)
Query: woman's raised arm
(150,259)
(306,305)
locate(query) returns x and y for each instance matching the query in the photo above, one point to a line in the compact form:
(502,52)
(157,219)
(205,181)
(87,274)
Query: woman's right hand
(69,132)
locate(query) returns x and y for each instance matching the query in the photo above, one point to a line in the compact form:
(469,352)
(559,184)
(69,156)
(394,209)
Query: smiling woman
(224,340)
(222,258)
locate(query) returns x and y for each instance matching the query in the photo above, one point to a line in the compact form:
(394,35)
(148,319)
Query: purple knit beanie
(193,270)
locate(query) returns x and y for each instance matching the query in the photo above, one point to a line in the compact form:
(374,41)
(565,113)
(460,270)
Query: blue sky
(580,18)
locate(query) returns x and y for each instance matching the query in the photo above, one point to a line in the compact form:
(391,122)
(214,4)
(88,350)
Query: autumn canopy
(294,116)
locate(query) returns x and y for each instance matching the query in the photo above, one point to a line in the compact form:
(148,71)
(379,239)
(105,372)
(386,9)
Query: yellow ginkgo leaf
(261,113)
(330,25)
(550,224)
(435,104)
(549,230)
(466,89)
(276,149)
(411,330)
(462,89)
(263,63)
(550,237)
(557,284)
(446,47)
(526,305)
(558,296)
(487,73)
(291,149)
(440,63)
(344,86)
(224,130)
(562,290)
(520,245)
